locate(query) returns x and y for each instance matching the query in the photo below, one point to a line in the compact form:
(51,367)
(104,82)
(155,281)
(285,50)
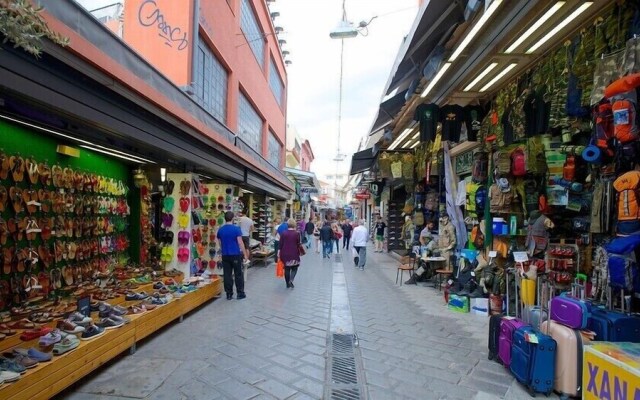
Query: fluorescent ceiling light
(535,26)
(414,137)
(435,79)
(499,76)
(413,146)
(123,153)
(108,152)
(476,28)
(400,138)
(560,26)
(480,76)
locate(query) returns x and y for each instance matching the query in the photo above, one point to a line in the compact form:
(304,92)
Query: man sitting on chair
(424,271)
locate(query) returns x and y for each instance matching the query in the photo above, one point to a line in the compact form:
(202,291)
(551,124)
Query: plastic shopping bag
(280,269)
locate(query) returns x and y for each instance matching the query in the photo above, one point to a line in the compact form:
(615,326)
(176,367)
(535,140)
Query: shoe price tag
(493,254)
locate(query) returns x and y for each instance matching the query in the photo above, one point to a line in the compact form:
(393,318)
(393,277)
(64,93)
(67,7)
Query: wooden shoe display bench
(49,378)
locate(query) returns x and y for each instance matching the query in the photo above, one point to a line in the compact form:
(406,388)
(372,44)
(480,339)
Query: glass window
(277,86)
(211,83)
(249,124)
(275,150)
(252,32)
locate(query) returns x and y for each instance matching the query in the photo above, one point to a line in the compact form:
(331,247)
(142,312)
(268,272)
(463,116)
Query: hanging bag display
(396,169)
(518,163)
(625,119)
(384,163)
(627,186)
(480,167)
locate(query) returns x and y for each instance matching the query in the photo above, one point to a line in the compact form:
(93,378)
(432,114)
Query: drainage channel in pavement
(344,379)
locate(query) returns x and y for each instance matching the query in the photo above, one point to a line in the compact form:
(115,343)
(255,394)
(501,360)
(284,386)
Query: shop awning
(306,179)
(362,161)
(388,110)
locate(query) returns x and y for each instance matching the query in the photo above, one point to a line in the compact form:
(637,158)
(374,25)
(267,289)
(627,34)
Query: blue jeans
(327,246)
(309,238)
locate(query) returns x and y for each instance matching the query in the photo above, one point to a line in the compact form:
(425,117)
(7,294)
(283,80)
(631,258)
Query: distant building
(299,152)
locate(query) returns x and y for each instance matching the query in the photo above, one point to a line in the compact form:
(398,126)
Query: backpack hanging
(625,118)
(481,200)
(502,162)
(518,163)
(627,186)
(604,126)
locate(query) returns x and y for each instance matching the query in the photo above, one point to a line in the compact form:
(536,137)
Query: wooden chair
(442,275)
(407,263)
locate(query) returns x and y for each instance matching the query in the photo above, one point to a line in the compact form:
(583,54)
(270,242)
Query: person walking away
(308,231)
(246,227)
(280,230)
(289,252)
(316,235)
(232,249)
(335,228)
(346,232)
(325,237)
(275,236)
(379,228)
(360,237)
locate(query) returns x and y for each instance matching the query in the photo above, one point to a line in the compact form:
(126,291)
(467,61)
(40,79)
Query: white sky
(314,74)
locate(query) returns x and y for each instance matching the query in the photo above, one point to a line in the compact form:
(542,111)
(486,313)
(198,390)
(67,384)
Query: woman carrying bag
(290,251)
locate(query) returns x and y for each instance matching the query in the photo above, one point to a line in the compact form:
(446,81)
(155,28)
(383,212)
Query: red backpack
(518,163)
(625,127)
(604,127)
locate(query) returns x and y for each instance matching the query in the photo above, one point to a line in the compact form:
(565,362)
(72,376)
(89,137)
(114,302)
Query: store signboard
(611,371)
(363,196)
(309,190)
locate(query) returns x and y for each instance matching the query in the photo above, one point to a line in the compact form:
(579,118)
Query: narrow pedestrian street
(274,344)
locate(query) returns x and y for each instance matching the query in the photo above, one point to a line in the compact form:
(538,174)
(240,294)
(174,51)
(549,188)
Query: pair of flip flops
(166,254)
(183,254)
(183,238)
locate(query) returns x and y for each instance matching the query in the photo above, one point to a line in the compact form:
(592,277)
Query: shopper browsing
(336,235)
(379,228)
(289,252)
(316,235)
(246,226)
(232,249)
(360,237)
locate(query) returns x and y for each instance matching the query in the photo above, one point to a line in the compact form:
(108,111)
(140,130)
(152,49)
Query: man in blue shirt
(232,250)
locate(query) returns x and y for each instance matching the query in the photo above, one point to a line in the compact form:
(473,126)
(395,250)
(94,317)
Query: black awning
(388,110)
(362,161)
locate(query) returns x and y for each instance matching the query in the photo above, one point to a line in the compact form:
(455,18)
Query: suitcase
(534,315)
(494,336)
(533,364)
(569,311)
(508,325)
(568,379)
(614,326)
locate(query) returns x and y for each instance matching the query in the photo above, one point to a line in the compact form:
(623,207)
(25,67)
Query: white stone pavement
(273,344)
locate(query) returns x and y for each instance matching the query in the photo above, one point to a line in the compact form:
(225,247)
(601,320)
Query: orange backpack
(625,122)
(627,186)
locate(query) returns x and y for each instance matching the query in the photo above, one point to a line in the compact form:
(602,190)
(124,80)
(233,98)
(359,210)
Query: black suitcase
(494,335)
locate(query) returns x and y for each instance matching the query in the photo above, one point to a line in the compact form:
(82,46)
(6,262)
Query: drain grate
(345,394)
(342,343)
(343,370)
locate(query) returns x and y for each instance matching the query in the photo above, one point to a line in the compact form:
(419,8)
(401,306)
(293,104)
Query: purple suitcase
(507,327)
(569,311)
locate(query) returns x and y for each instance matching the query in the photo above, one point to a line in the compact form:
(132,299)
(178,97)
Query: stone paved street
(273,345)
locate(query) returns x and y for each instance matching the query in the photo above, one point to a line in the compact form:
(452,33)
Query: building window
(211,83)
(274,151)
(252,32)
(277,86)
(249,124)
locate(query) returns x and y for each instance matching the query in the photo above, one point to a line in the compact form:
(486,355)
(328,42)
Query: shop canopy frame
(307,180)
(363,160)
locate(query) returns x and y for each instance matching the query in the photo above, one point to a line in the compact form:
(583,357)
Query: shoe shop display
(67,326)
(50,338)
(92,332)
(34,354)
(68,343)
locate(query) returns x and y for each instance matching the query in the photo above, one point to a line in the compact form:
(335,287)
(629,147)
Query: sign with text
(611,371)
(162,32)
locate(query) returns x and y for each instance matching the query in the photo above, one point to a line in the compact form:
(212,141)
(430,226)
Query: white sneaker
(8,376)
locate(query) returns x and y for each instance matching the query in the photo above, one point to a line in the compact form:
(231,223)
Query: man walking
(380,227)
(360,237)
(246,227)
(308,231)
(232,249)
(326,236)
(346,232)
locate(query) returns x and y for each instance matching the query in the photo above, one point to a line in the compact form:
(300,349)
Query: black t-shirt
(309,227)
(380,228)
(473,116)
(428,116)
(346,230)
(451,118)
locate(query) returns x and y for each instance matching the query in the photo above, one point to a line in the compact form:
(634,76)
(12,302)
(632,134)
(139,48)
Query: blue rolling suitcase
(533,364)
(613,326)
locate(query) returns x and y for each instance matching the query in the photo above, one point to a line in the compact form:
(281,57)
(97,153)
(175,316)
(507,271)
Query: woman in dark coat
(289,252)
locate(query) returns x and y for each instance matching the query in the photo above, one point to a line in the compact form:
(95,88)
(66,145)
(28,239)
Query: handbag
(302,250)
(279,269)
